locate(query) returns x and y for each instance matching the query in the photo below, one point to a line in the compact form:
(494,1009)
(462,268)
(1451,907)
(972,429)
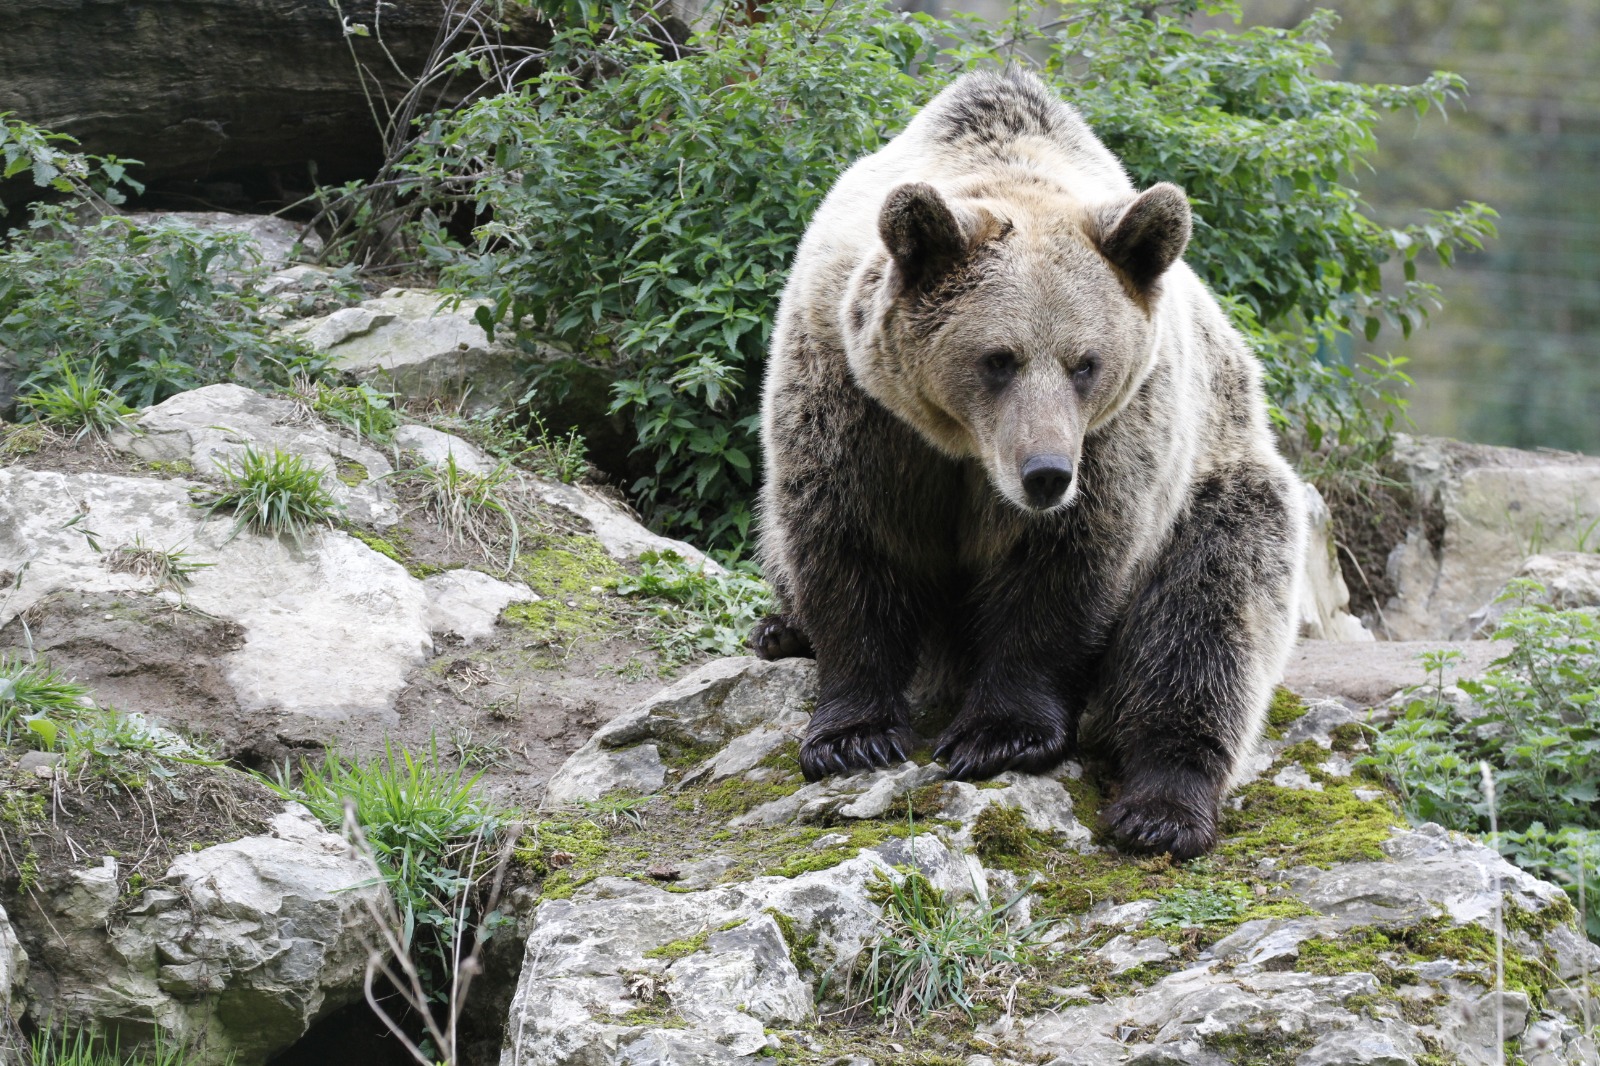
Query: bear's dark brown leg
(779,636)
(1191,670)
(1034,644)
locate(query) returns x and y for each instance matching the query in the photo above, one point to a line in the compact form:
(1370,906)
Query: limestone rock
(1324,598)
(463,605)
(701,712)
(235,952)
(1487,510)
(13,977)
(1571,581)
(1370,673)
(416,343)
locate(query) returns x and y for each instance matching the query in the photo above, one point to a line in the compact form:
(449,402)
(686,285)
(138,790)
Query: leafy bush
(159,307)
(273,494)
(431,837)
(1535,720)
(647,215)
(700,612)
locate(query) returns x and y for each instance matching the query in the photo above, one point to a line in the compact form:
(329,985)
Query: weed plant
(697,611)
(171,568)
(471,507)
(1535,720)
(1186,908)
(559,458)
(274,494)
(937,956)
(368,413)
(78,1048)
(32,692)
(429,833)
(76,402)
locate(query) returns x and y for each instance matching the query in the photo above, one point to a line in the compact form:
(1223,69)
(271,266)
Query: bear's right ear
(921,232)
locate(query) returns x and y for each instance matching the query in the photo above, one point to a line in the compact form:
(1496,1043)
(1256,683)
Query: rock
(13,978)
(465,604)
(1324,598)
(210,428)
(418,344)
(1571,581)
(271,242)
(621,534)
(1485,510)
(1346,1047)
(234,953)
(1436,873)
(351,621)
(1123,953)
(1368,674)
(222,95)
(701,712)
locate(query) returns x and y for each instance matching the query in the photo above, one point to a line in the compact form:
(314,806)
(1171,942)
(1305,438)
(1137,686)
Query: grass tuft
(77,403)
(170,569)
(274,494)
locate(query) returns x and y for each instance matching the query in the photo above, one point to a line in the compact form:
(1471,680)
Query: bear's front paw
(777,636)
(860,747)
(1149,821)
(984,749)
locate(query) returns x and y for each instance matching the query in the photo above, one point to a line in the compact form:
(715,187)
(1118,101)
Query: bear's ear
(921,232)
(1146,237)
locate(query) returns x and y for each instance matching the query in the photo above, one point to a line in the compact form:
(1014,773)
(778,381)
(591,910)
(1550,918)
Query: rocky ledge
(694,900)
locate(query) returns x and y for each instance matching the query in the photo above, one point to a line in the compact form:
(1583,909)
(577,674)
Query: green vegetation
(471,507)
(556,457)
(77,402)
(571,575)
(79,1048)
(645,217)
(33,695)
(92,301)
(364,410)
(431,835)
(170,568)
(274,494)
(938,956)
(1189,907)
(1534,719)
(699,612)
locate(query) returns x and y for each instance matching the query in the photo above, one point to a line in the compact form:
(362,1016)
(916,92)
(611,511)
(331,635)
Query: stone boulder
(1571,581)
(1482,511)
(1324,597)
(739,947)
(234,953)
(13,978)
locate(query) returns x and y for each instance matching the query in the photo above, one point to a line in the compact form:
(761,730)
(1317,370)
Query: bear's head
(1008,323)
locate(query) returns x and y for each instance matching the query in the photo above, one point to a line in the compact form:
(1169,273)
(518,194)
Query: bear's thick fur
(1011,438)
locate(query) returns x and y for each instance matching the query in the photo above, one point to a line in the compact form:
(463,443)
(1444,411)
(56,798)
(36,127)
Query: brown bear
(1012,439)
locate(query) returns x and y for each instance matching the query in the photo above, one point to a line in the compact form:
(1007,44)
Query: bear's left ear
(921,232)
(1147,236)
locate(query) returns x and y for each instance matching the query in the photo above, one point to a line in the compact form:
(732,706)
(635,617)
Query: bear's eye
(1083,376)
(999,367)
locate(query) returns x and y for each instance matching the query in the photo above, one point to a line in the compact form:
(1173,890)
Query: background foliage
(642,202)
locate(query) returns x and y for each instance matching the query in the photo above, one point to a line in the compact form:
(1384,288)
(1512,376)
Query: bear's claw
(860,748)
(1158,824)
(989,750)
(778,636)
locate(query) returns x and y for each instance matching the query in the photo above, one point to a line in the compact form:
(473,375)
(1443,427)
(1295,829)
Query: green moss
(349,471)
(566,571)
(1285,709)
(785,757)
(386,548)
(1351,736)
(683,756)
(1307,828)
(800,947)
(1086,798)
(926,802)
(737,796)
(171,467)
(20,813)
(1270,1046)
(679,949)
(553,846)
(1387,953)
(654,1018)
(1001,831)
(864,835)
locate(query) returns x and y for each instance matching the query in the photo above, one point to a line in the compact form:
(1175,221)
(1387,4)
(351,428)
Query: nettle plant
(643,201)
(1535,720)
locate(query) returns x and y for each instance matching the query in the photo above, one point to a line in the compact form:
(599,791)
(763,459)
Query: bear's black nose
(1045,479)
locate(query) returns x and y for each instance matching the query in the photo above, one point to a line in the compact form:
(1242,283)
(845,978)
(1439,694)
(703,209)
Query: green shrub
(647,217)
(158,306)
(1535,720)
(368,413)
(274,494)
(698,612)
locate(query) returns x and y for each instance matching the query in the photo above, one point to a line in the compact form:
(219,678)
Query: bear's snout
(1045,479)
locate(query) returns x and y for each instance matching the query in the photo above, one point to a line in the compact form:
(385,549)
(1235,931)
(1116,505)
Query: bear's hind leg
(1192,668)
(779,636)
